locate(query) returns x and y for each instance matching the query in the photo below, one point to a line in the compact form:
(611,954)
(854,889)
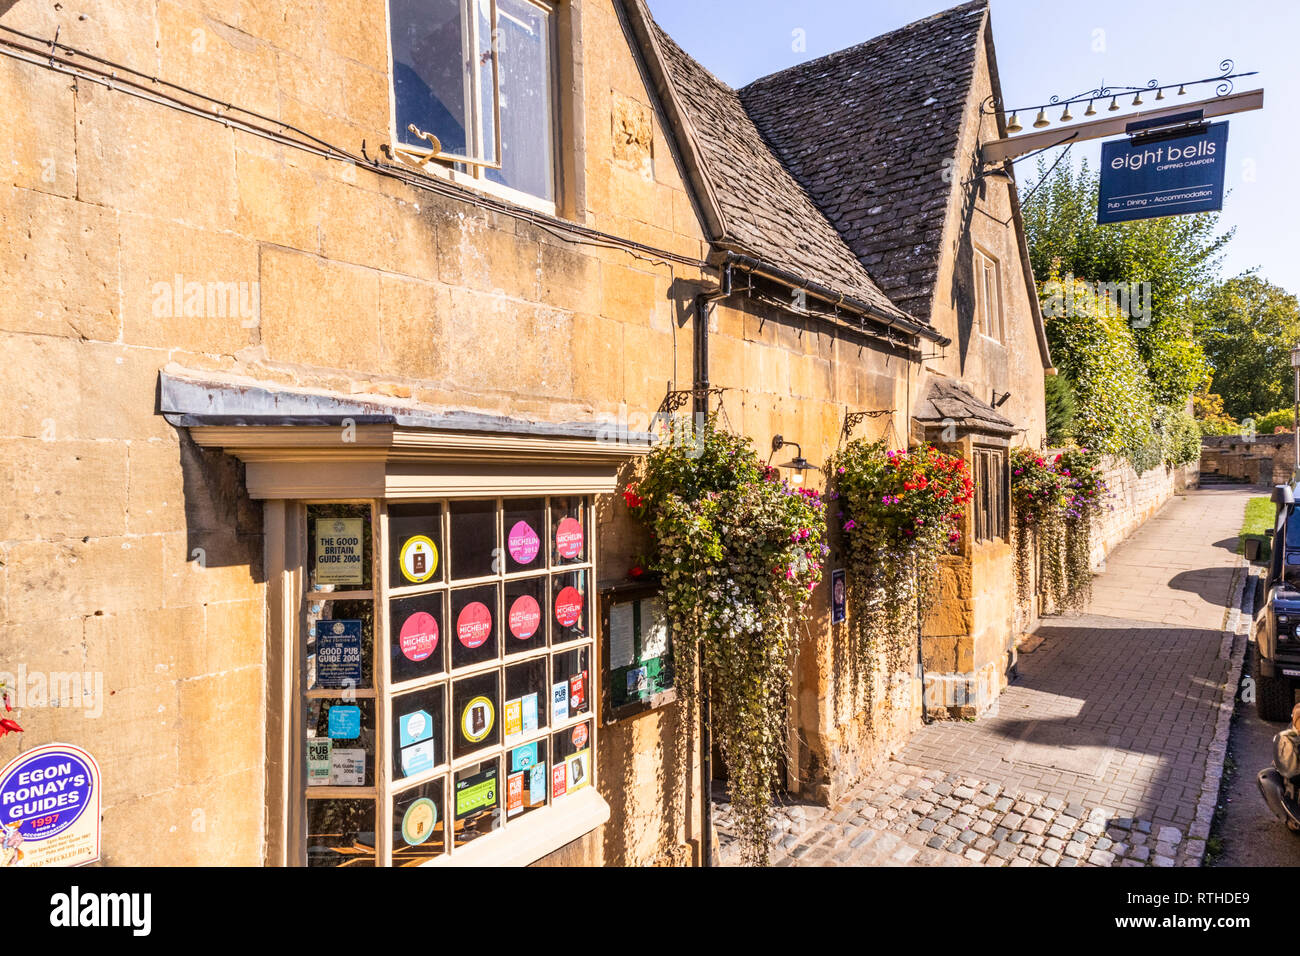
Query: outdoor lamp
(799,464)
(1295,356)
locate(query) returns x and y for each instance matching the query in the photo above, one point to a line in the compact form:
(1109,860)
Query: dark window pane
(474,550)
(418,731)
(526,778)
(573,761)
(476,711)
(340,833)
(526,617)
(569,606)
(525,527)
(478,801)
(526,124)
(340,742)
(340,644)
(415,544)
(568,531)
(474,617)
(338,547)
(429,71)
(569,685)
(525,711)
(419,833)
(418,645)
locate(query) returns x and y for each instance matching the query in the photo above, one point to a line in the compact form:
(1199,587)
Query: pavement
(1108,747)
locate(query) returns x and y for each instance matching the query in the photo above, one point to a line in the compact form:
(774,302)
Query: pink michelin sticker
(523,542)
(524,617)
(419,636)
(568,538)
(473,625)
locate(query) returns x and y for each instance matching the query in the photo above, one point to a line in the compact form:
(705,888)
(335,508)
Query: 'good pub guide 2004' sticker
(419,559)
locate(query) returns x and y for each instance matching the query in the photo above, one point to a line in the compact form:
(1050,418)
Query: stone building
(312,533)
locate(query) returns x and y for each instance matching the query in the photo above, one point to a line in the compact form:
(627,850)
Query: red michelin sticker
(525,617)
(568,606)
(474,625)
(419,636)
(568,538)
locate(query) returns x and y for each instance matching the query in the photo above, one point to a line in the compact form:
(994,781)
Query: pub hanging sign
(1163,174)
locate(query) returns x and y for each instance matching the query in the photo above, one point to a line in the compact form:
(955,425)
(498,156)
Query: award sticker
(568,538)
(344,722)
(474,625)
(418,821)
(414,727)
(525,617)
(523,542)
(568,606)
(579,736)
(478,719)
(419,636)
(419,559)
(514,718)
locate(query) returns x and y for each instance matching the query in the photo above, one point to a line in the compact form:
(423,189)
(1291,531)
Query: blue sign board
(344,722)
(1163,177)
(338,654)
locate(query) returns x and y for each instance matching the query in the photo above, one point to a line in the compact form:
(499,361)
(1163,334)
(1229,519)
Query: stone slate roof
(766,213)
(946,400)
(866,132)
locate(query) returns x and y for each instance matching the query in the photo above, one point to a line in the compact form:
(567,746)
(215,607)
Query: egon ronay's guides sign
(50,808)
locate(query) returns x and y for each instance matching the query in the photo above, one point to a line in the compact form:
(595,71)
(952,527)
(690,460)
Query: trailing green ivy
(901,511)
(739,552)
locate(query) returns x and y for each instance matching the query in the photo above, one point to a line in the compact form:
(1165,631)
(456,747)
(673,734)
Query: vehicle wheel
(1273,695)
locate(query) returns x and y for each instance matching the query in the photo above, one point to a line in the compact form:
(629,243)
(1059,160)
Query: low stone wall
(1133,499)
(1262,460)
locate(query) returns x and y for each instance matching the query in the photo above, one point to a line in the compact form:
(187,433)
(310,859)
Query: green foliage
(1095,349)
(1207,409)
(1247,328)
(1178,255)
(739,552)
(1060,409)
(1260,515)
(1180,436)
(1283,418)
(901,510)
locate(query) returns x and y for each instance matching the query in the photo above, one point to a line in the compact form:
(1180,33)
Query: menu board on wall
(637,648)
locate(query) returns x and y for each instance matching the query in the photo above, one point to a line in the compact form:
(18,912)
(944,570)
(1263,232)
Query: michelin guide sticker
(49,808)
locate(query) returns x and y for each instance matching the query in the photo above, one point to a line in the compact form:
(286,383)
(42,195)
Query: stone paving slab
(1107,748)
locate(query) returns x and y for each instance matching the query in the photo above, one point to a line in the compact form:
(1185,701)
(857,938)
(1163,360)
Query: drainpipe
(701,407)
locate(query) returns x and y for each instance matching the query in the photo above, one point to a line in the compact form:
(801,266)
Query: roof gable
(869,131)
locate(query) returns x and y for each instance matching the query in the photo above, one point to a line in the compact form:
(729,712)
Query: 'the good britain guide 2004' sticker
(419,559)
(49,808)
(339,551)
(418,821)
(477,720)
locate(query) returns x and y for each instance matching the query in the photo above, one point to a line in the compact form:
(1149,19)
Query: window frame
(992,493)
(990,322)
(387,786)
(471,170)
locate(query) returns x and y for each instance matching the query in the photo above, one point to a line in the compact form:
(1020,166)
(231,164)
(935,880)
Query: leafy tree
(1207,409)
(1247,328)
(1179,256)
(1060,409)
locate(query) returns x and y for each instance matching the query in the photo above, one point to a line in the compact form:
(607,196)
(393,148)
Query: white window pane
(523,43)
(429,71)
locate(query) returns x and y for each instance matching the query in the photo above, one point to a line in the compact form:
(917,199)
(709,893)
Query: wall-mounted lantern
(798,464)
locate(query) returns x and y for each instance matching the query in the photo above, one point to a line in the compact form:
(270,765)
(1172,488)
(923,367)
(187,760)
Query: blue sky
(1047,48)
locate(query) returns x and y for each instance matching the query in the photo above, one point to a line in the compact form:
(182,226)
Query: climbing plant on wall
(1086,493)
(900,511)
(739,552)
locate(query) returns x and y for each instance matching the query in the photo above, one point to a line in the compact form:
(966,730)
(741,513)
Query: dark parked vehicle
(1275,657)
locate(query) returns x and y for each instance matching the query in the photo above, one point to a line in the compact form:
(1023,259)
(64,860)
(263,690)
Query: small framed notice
(637,652)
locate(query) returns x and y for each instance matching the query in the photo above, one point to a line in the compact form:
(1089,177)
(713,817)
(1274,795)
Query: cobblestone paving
(1107,748)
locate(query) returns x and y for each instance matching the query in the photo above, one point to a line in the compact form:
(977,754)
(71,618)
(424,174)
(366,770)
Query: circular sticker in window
(419,559)
(523,542)
(419,636)
(568,538)
(568,606)
(418,821)
(525,617)
(474,624)
(477,720)
(579,736)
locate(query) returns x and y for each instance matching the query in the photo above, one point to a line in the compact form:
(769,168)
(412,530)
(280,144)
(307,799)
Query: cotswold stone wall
(1133,499)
